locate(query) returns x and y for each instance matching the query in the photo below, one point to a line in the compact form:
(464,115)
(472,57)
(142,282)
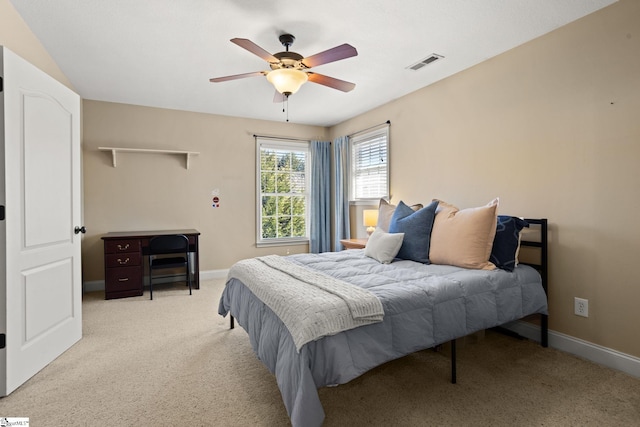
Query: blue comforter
(424,305)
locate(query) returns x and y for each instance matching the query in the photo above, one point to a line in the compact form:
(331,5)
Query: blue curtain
(341,154)
(320,229)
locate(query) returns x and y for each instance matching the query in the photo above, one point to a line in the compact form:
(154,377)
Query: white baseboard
(595,353)
(92,286)
(98,285)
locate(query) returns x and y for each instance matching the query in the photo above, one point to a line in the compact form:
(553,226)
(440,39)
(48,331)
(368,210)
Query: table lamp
(370,219)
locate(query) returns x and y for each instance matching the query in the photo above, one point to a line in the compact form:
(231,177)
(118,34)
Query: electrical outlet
(581,307)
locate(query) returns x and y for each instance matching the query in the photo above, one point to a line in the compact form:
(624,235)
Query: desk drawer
(123,260)
(120,246)
(123,279)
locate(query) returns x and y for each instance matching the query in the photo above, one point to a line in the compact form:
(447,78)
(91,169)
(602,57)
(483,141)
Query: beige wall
(553,128)
(156,191)
(15,35)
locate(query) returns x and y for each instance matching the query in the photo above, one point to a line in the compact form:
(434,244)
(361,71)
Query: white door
(40,279)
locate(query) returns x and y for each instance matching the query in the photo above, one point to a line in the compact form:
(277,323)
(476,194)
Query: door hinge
(1,212)
(3,341)
(1,80)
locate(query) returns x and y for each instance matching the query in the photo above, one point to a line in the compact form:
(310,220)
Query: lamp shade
(370,217)
(287,81)
(370,220)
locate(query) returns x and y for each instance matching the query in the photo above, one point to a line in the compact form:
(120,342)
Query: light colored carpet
(174,361)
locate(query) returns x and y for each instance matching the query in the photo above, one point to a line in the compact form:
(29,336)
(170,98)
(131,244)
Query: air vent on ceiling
(426,61)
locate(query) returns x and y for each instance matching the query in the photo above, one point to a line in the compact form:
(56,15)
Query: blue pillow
(506,242)
(416,226)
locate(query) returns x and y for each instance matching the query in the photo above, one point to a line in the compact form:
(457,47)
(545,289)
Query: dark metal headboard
(542,266)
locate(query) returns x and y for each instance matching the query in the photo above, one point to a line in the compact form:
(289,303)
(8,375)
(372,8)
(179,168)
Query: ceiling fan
(289,69)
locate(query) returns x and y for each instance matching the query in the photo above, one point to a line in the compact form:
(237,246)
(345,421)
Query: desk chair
(165,245)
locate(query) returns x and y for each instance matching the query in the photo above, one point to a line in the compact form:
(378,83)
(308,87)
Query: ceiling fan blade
(238,76)
(334,54)
(255,49)
(331,82)
(278,97)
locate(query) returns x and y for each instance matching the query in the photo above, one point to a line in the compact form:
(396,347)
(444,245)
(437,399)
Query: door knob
(80,230)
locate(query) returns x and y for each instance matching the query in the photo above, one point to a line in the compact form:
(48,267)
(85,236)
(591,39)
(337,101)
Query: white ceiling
(161,53)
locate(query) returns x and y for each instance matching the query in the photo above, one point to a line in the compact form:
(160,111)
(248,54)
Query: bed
(423,304)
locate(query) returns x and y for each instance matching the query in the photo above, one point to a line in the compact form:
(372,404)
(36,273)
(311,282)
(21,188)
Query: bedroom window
(282,188)
(370,164)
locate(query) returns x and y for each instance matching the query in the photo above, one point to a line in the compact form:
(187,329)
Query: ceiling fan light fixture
(287,81)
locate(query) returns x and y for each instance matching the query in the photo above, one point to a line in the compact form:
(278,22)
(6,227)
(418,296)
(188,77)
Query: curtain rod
(388,122)
(281,138)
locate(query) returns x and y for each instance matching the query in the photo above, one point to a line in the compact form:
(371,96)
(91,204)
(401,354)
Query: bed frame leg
(453,361)
(544,330)
(231,322)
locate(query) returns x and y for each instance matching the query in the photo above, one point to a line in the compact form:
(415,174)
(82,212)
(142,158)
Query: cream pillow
(385,212)
(464,238)
(383,247)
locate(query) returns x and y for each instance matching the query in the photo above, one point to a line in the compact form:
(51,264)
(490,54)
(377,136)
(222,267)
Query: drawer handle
(126,261)
(124,279)
(123,247)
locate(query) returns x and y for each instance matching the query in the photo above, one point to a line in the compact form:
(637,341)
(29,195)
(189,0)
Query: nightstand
(354,243)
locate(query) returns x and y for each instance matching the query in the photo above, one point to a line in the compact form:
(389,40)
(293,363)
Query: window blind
(370,167)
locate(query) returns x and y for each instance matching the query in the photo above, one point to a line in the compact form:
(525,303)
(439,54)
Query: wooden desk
(354,243)
(124,260)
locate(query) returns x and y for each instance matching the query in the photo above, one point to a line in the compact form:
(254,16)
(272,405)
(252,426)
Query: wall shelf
(115,150)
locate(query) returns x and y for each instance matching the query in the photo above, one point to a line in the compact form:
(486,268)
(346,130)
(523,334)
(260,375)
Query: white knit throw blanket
(310,304)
